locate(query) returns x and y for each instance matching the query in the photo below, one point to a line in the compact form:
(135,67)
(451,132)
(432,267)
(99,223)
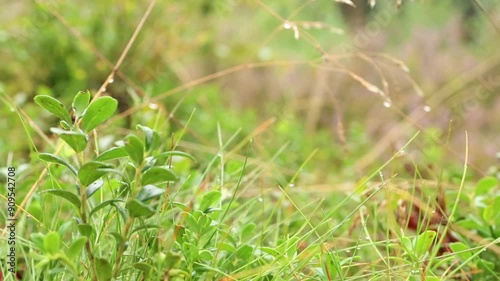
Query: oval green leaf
(76,247)
(138,209)
(149,191)
(85,229)
(157,174)
(134,148)
(104,268)
(76,140)
(80,103)
(92,171)
(71,197)
(113,153)
(209,199)
(485,185)
(53,106)
(98,112)
(93,187)
(461,250)
(52,242)
(118,238)
(175,153)
(151,138)
(142,266)
(47,157)
(423,242)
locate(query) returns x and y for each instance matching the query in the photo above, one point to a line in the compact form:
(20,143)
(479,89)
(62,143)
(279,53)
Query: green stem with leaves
(128,224)
(88,246)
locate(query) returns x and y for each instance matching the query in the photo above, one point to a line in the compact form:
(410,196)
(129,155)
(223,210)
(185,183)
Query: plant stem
(125,230)
(88,246)
(128,223)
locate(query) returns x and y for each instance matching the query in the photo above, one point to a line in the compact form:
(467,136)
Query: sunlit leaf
(53,106)
(97,112)
(80,103)
(113,153)
(52,242)
(76,140)
(461,250)
(485,185)
(423,242)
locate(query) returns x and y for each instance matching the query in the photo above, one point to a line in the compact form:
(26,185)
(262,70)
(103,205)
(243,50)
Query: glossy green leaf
(134,148)
(85,229)
(138,209)
(47,157)
(210,199)
(148,192)
(423,242)
(53,106)
(91,171)
(71,197)
(97,112)
(93,187)
(157,174)
(76,140)
(104,204)
(52,242)
(175,153)
(76,247)
(80,103)
(151,138)
(113,153)
(103,267)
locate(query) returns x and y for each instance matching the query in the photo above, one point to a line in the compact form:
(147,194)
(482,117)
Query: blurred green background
(304,77)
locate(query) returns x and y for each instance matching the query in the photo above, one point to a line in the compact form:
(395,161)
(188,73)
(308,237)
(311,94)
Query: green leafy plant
(140,173)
